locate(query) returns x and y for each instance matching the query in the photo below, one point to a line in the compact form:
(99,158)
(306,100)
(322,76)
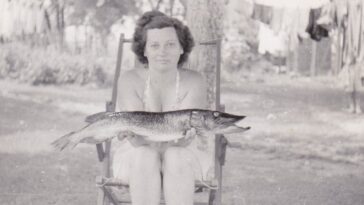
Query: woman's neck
(162,78)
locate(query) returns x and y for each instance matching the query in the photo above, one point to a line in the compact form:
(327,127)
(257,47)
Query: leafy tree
(205,19)
(99,15)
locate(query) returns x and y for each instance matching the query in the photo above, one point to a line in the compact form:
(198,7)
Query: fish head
(220,122)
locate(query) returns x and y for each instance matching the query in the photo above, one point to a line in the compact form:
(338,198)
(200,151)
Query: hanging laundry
(341,12)
(262,13)
(290,26)
(271,42)
(327,16)
(353,29)
(277,19)
(315,30)
(316,4)
(310,4)
(302,22)
(351,75)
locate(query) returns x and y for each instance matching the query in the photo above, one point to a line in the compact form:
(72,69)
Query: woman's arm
(128,99)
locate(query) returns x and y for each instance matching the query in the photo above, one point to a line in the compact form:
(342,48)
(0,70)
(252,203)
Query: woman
(162,44)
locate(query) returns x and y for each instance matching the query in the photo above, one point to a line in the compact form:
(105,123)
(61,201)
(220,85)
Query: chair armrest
(110,107)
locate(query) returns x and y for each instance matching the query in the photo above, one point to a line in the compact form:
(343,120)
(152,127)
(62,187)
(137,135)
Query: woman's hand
(185,141)
(135,140)
(138,140)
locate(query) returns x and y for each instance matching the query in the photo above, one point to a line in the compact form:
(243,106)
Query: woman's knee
(177,160)
(146,158)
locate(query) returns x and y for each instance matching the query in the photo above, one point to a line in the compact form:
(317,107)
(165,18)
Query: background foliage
(48,58)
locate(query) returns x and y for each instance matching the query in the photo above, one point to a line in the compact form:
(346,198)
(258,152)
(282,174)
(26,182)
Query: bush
(46,66)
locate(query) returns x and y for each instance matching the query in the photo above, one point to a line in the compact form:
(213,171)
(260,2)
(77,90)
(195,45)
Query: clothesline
(308,4)
(289,21)
(344,19)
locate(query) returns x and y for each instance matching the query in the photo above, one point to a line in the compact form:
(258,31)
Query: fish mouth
(227,124)
(229,119)
(232,129)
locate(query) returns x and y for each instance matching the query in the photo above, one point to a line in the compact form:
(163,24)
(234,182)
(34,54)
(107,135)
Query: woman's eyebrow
(164,40)
(172,41)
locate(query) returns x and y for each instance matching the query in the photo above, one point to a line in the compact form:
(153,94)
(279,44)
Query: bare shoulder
(132,81)
(129,92)
(194,90)
(132,75)
(192,78)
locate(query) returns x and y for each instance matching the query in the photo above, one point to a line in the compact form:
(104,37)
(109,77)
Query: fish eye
(216,114)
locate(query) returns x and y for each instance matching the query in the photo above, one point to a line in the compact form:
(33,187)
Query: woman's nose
(163,49)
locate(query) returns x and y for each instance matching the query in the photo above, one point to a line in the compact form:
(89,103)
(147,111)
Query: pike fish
(153,126)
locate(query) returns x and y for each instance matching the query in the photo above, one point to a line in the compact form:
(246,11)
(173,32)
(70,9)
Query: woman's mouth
(162,61)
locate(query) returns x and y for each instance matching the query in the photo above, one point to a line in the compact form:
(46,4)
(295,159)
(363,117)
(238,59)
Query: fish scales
(158,126)
(154,126)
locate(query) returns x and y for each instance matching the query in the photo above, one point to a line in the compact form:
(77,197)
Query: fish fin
(96,117)
(93,140)
(69,140)
(65,142)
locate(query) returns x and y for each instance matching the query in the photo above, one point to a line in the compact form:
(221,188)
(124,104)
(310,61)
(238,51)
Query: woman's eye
(155,46)
(171,44)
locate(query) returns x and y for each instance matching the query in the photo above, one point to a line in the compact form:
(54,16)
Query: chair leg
(220,151)
(110,198)
(212,196)
(101,198)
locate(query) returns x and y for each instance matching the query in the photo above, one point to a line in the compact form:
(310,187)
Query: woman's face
(162,48)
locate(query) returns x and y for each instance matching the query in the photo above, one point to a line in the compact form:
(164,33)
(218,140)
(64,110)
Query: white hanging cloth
(313,4)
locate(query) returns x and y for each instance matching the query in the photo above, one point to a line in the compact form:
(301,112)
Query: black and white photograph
(182,102)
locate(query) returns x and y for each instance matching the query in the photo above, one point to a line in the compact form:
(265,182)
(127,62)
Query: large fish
(153,126)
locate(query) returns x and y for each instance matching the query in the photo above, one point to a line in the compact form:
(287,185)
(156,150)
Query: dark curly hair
(156,19)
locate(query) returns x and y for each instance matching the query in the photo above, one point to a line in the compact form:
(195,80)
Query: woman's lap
(201,161)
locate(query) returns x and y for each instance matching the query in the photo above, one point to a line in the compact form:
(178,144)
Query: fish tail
(65,142)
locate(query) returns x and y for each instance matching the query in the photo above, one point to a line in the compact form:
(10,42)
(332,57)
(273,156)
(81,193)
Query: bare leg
(357,103)
(352,102)
(179,177)
(357,88)
(145,179)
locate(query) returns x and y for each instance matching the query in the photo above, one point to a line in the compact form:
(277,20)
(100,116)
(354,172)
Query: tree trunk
(205,19)
(60,23)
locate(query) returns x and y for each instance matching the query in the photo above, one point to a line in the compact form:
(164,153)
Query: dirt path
(302,149)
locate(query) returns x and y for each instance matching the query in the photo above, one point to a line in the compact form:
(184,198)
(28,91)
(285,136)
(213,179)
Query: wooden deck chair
(107,184)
